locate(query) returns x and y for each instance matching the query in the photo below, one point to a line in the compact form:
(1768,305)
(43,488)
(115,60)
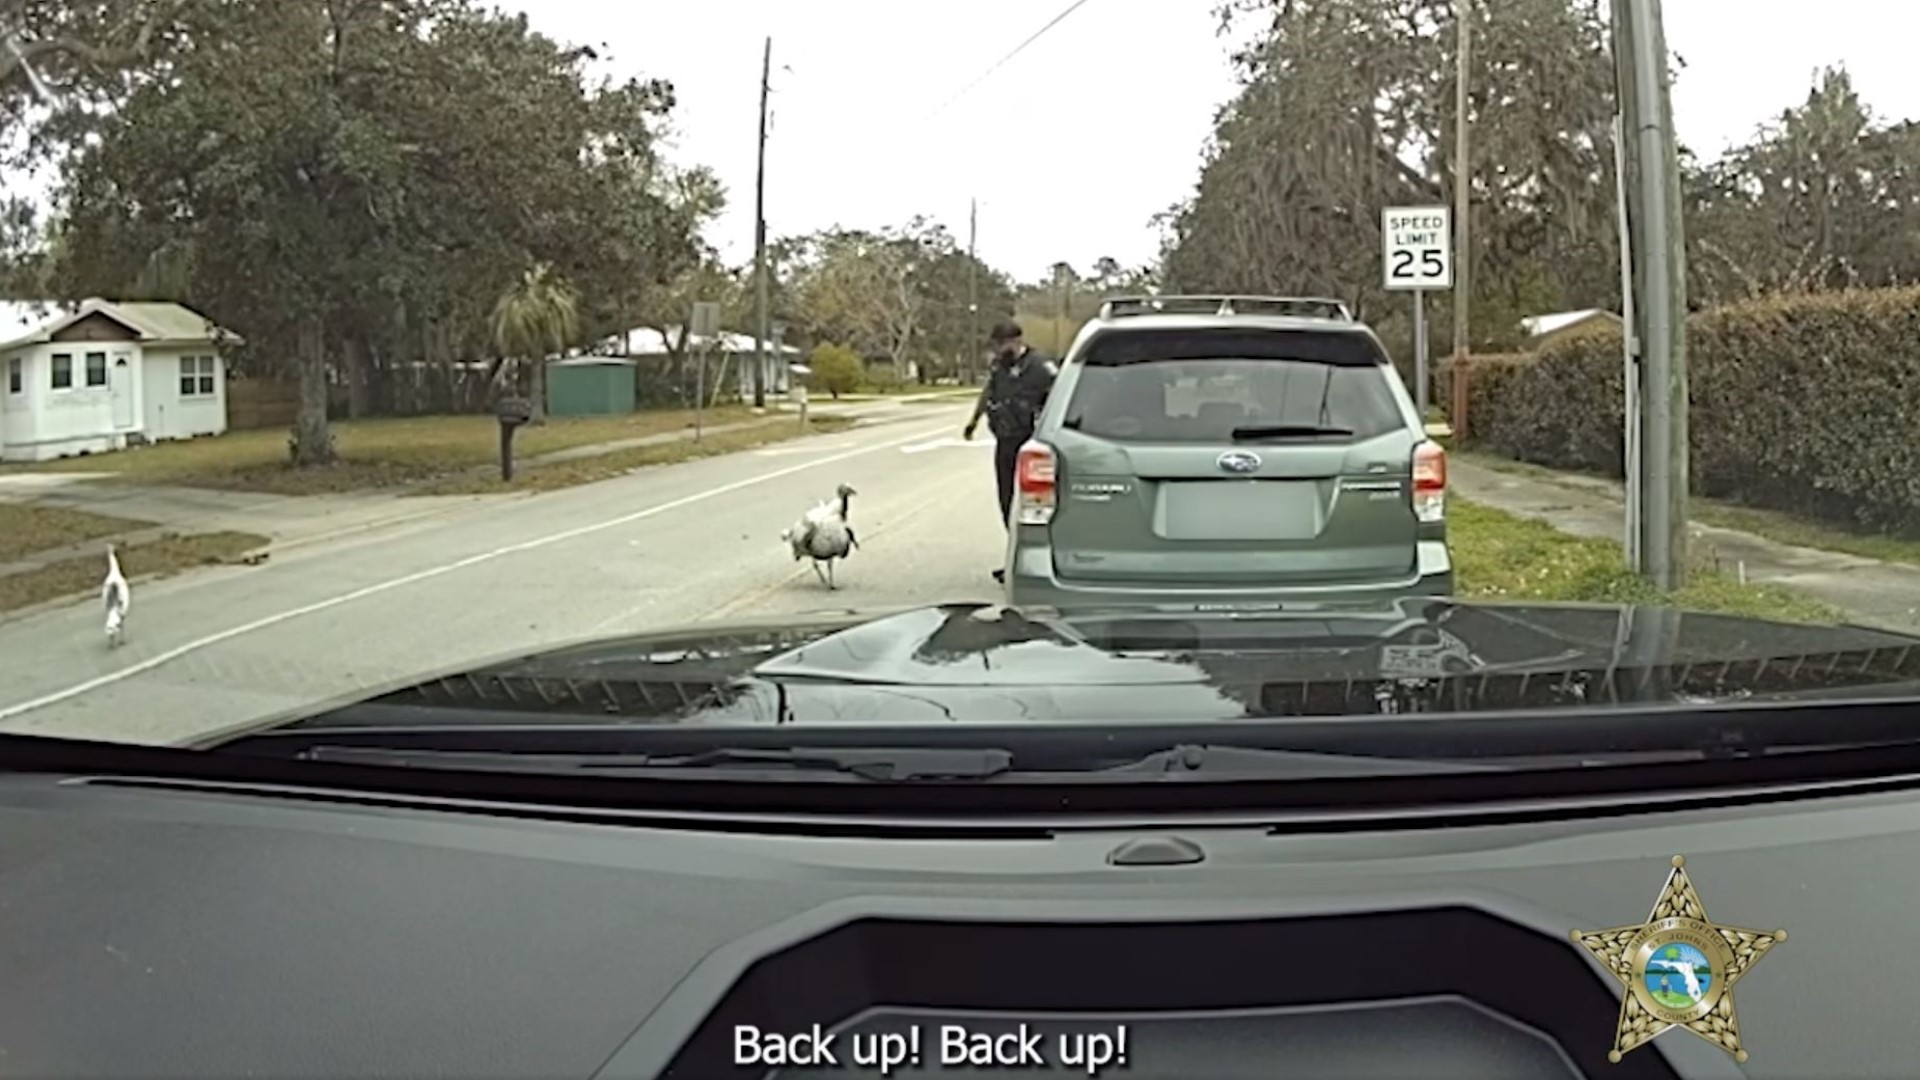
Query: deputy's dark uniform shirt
(1016,393)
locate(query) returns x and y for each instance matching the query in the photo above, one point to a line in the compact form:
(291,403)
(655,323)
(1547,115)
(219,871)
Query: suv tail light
(1429,482)
(1033,478)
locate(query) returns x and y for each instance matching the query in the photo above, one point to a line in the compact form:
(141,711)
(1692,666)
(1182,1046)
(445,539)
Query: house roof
(31,322)
(647,341)
(1542,325)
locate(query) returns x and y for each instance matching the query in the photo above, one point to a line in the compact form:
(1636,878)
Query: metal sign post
(703,326)
(1420,377)
(1417,243)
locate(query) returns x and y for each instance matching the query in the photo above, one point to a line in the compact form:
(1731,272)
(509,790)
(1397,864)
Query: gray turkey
(823,535)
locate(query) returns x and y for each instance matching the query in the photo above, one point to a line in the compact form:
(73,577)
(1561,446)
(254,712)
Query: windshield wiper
(911,764)
(1286,431)
(1262,763)
(867,763)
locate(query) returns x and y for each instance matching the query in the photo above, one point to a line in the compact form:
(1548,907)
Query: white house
(100,375)
(733,352)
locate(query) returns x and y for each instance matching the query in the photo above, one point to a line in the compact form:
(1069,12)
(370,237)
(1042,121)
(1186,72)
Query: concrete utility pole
(973,287)
(761,317)
(1462,185)
(1629,355)
(1657,245)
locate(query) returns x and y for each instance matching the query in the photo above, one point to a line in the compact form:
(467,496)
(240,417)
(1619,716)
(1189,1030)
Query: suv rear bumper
(1031,582)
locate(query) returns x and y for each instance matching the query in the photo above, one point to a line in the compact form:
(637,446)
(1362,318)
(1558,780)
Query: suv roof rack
(1310,307)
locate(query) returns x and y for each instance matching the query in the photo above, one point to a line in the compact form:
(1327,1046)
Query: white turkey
(824,535)
(117,597)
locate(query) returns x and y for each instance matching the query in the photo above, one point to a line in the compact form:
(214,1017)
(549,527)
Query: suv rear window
(1187,386)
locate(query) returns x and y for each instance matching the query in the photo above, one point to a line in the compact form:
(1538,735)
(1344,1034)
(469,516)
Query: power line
(922,130)
(1002,62)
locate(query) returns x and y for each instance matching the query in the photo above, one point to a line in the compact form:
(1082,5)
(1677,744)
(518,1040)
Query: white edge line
(178,651)
(951,442)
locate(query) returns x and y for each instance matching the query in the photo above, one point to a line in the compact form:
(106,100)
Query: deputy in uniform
(1016,391)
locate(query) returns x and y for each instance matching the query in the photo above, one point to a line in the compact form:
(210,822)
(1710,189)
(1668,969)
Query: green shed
(590,386)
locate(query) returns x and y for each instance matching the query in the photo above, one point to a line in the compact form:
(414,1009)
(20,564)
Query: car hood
(995,664)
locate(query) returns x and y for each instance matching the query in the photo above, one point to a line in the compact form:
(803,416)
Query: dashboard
(164,928)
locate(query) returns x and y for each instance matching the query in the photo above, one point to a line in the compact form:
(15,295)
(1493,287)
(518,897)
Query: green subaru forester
(1227,452)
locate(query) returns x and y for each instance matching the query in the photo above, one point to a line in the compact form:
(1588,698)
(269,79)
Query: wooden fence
(424,389)
(256,403)
(263,402)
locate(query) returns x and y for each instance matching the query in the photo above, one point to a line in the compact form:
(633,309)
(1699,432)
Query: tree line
(368,188)
(1347,106)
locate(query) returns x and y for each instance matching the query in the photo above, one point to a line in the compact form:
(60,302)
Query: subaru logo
(1239,461)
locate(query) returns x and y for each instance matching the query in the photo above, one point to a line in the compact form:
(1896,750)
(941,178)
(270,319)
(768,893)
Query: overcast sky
(1073,145)
(1070,147)
(881,110)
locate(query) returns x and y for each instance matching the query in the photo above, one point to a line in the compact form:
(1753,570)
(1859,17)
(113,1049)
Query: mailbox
(513,411)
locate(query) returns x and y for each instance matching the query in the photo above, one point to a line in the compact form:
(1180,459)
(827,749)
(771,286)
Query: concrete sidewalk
(1871,592)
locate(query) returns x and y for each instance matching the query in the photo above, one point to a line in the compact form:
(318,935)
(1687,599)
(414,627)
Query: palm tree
(536,318)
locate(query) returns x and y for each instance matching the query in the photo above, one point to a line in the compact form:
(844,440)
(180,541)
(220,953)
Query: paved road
(667,546)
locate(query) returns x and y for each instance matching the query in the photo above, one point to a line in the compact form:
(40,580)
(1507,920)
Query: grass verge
(1787,529)
(81,575)
(1781,528)
(373,454)
(25,529)
(587,470)
(1503,556)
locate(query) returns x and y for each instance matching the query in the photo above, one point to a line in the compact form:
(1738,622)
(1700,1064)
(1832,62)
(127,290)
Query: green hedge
(1806,403)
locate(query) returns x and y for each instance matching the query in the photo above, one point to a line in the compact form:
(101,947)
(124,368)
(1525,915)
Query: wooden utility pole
(762,320)
(973,287)
(1462,187)
(1462,227)
(1061,282)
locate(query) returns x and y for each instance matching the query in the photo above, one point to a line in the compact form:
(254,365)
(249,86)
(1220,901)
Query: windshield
(717,377)
(1210,398)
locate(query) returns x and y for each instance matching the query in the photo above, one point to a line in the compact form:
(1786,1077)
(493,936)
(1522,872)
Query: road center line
(178,651)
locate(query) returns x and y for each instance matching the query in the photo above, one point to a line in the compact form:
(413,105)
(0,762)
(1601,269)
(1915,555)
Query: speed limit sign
(1419,246)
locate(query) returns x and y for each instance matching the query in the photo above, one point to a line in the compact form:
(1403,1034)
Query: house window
(16,376)
(96,369)
(196,376)
(63,371)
